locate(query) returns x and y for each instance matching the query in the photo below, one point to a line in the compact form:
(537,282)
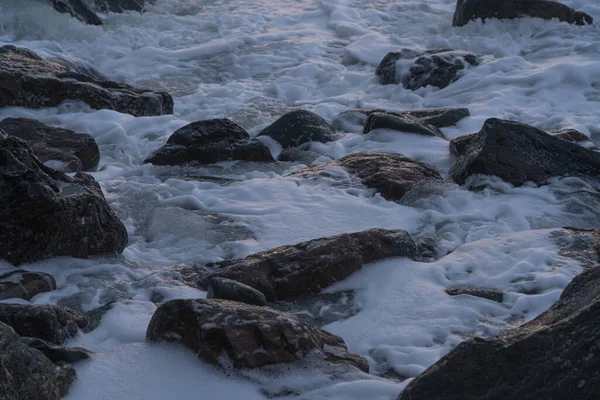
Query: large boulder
(45,213)
(25,373)
(25,285)
(297,127)
(555,356)
(69,151)
(308,267)
(468,10)
(210,141)
(250,336)
(78,9)
(518,153)
(27,80)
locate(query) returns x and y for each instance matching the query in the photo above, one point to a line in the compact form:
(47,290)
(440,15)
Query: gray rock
(399,123)
(492,294)
(118,6)
(78,9)
(297,127)
(226,289)
(25,285)
(298,155)
(59,355)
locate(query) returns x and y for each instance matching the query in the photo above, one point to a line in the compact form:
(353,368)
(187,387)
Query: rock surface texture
(25,285)
(297,127)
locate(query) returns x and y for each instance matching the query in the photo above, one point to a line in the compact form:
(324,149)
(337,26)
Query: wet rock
(226,289)
(53,324)
(297,127)
(386,71)
(58,354)
(298,155)
(25,373)
(74,151)
(518,153)
(308,267)
(403,123)
(492,294)
(25,285)
(78,9)
(45,213)
(468,10)
(118,6)
(555,356)
(251,336)
(208,142)
(27,80)
(459,145)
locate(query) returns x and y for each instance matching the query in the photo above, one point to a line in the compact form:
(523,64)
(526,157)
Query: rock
(297,127)
(45,213)
(25,285)
(518,153)
(468,10)
(118,6)
(27,80)
(53,324)
(226,289)
(308,267)
(75,151)
(25,373)
(251,336)
(386,71)
(555,356)
(570,135)
(492,294)
(78,9)
(58,354)
(459,145)
(295,154)
(399,123)
(210,141)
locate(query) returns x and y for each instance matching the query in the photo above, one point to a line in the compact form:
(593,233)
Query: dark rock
(468,10)
(570,135)
(26,80)
(297,127)
(555,356)
(25,373)
(308,267)
(118,6)
(251,336)
(53,324)
(25,285)
(210,141)
(78,9)
(45,213)
(404,123)
(386,71)
(226,289)
(459,145)
(518,153)
(298,155)
(76,151)
(492,294)
(58,354)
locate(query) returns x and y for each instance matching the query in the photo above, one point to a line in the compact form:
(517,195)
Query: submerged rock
(555,356)
(250,336)
(297,127)
(210,141)
(518,153)
(45,213)
(59,355)
(492,294)
(27,80)
(468,10)
(298,155)
(25,285)
(75,151)
(227,289)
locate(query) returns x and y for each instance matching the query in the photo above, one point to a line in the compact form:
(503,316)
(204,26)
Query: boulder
(555,356)
(250,336)
(25,373)
(25,285)
(45,213)
(308,267)
(518,153)
(210,141)
(53,324)
(27,80)
(492,294)
(468,10)
(226,289)
(59,355)
(297,127)
(295,154)
(459,145)
(78,9)
(73,151)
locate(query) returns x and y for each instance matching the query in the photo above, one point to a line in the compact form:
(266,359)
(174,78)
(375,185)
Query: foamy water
(251,61)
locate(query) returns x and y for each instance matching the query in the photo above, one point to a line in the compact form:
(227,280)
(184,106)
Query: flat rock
(27,80)
(208,142)
(492,294)
(250,336)
(25,285)
(226,289)
(468,10)
(297,127)
(45,213)
(73,151)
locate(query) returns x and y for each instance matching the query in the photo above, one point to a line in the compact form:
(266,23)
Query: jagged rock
(308,267)
(210,141)
(27,80)
(518,153)
(297,127)
(468,10)
(78,9)
(75,151)
(492,294)
(298,155)
(386,71)
(25,373)
(25,285)
(226,289)
(251,336)
(45,213)
(53,324)
(59,355)
(555,356)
